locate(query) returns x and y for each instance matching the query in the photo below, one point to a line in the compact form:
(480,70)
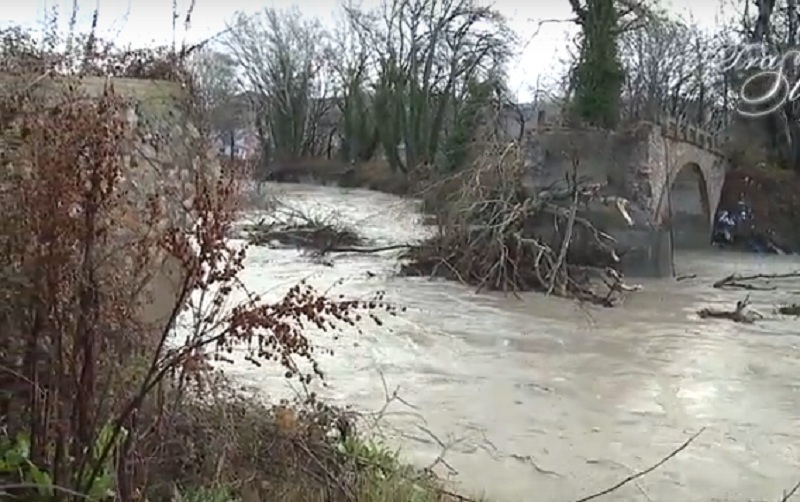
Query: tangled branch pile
(288,226)
(493,233)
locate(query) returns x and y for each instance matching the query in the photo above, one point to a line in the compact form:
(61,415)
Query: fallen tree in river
(291,227)
(493,234)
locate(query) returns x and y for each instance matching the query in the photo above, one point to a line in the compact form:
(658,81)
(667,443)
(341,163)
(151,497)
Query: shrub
(119,290)
(110,232)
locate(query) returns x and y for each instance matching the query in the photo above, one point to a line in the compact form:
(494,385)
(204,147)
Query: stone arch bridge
(672,175)
(687,174)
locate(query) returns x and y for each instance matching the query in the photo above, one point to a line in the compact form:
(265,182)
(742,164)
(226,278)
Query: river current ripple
(548,401)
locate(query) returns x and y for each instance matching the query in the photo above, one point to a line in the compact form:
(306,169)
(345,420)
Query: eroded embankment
(774,198)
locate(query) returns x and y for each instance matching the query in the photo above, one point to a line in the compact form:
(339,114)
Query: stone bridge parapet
(677,130)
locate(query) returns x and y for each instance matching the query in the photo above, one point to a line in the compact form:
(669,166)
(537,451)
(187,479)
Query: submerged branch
(738,281)
(644,472)
(293,228)
(741,314)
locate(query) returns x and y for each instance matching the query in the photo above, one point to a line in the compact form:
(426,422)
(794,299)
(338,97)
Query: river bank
(771,194)
(773,197)
(535,393)
(372,175)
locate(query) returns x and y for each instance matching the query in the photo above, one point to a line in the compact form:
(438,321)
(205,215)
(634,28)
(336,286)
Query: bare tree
(351,58)
(435,59)
(218,88)
(280,55)
(669,70)
(215,76)
(773,27)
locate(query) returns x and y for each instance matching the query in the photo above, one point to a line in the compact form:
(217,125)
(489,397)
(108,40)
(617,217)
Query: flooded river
(544,400)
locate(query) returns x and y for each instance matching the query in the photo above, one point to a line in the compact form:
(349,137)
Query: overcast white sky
(140,22)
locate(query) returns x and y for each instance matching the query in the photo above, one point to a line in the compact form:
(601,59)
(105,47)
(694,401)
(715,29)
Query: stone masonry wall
(669,156)
(153,113)
(617,160)
(639,163)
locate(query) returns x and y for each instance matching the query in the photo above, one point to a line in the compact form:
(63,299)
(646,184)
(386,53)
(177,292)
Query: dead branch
(616,285)
(644,472)
(496,234)
(377,249)
(454,496)
(740,314)
(291,227)
(789,310)
(737,281)
(570,224)
(791,492)
(375,421)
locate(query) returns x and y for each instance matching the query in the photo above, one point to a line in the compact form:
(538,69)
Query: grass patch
(236,448)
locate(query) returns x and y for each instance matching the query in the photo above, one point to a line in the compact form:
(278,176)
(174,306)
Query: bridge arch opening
(688,213)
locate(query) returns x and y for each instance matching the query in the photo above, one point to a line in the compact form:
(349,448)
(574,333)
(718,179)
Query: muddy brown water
(544,400)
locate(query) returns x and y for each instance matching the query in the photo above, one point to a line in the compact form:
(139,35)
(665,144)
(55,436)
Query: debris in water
(742,313)
(792,310)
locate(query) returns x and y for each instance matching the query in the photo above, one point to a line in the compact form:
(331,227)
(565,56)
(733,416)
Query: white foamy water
(550,401)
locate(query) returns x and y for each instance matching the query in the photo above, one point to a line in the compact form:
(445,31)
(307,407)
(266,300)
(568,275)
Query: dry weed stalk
(106,239)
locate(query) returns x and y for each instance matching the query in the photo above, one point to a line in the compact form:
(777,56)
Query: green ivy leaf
(23,446)
(44,483)
(14,459)
(102,487)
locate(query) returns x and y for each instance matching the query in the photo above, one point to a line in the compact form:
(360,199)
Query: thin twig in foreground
(644,472)
(791,492)
(37,486)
